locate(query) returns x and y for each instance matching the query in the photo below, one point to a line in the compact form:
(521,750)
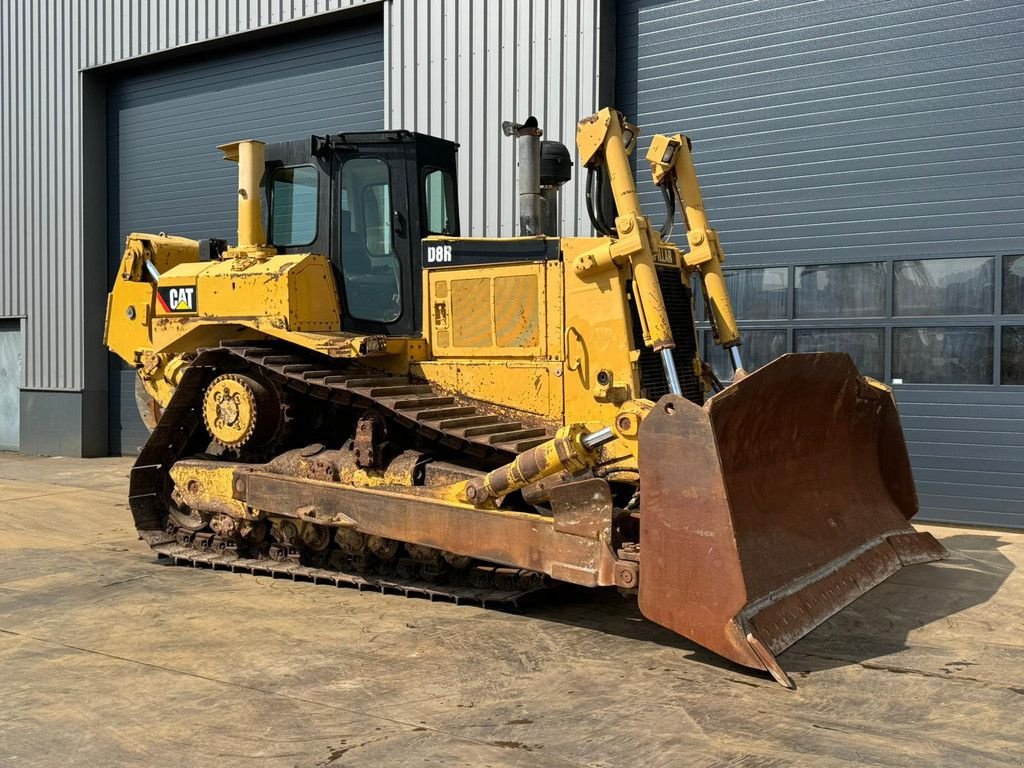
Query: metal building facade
(59,59)
(869,155)
(164,123)
(864,165)
(53,272)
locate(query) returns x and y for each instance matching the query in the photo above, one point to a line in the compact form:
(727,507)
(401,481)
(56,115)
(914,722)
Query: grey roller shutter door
(164,124)
(851,132)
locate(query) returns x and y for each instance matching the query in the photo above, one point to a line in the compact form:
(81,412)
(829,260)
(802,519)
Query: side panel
(493,319)
(600,370)
(497,310)
(285,293)
(530,386)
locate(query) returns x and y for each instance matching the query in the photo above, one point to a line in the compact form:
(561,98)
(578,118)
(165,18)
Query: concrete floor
(108,657)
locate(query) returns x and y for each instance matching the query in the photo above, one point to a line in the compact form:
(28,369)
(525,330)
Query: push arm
(605,140)
(671,163)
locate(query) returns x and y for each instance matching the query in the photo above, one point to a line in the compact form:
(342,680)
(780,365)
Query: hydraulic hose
(668,194)
(603,185)
(590,185)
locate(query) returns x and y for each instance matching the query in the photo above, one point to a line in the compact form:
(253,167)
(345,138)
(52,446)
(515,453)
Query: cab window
(293,206)
(369,266)
(439,193)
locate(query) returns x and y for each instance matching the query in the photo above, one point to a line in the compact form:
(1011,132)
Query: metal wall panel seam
(53,257)
(7,300)
(29,149)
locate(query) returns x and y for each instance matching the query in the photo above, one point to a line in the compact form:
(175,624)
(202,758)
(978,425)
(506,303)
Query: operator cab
(365,200)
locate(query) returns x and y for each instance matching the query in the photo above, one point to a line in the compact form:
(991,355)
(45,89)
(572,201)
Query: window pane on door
(1011,360)
(865,345)
(942,355)
(839,290)
(759,347)
(944,287)
(1013,285)
(758,294)
(368,263)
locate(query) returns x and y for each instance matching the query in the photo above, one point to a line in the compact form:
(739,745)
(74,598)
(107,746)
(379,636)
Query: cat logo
(439,254)
(178,299)
(665,256)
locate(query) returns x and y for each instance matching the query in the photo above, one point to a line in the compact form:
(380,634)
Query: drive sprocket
(238,410)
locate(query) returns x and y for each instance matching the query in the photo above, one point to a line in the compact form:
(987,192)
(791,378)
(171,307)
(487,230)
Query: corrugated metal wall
(45,44)
(833,126)
(860,132)
(967,452)
(40,127)
(460,67)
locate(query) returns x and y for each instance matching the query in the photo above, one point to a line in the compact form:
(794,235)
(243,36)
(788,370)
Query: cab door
(372,246)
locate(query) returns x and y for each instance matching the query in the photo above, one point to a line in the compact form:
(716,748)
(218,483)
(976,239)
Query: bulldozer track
(188,555)
(454,422)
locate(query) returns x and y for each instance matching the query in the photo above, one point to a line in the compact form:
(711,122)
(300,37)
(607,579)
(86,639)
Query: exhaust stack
(249,155)
(544,166)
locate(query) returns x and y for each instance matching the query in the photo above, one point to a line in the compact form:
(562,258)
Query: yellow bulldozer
(356,394)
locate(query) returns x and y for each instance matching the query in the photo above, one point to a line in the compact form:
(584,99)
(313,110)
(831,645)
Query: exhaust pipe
(532,205)
(544,166)
(250,158)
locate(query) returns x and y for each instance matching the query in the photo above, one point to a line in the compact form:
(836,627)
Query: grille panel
(678,302)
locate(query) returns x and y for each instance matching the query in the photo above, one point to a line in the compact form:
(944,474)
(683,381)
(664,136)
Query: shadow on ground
(881,620)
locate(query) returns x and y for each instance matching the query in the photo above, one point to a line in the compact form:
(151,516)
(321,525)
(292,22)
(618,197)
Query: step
(281,360)
(338,378)
(254,352)
(526,445)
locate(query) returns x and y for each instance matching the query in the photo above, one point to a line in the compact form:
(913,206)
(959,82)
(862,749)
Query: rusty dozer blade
(779,502)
